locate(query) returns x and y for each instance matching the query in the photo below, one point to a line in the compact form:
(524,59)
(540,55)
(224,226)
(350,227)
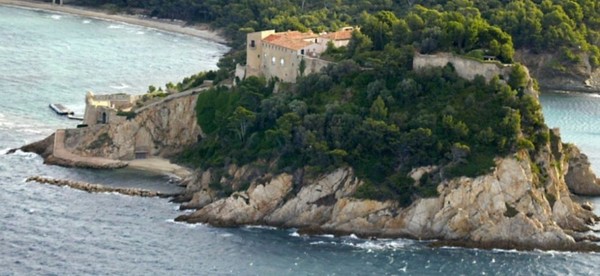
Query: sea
(45,230)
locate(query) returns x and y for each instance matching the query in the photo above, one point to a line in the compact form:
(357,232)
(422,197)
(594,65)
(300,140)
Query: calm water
(48,58)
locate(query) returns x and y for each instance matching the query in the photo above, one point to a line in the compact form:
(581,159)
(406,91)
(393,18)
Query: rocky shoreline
(510,208)
(513,207)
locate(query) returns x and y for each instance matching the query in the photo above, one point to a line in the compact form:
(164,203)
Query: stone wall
(165,129)
(470,68)
(465,68)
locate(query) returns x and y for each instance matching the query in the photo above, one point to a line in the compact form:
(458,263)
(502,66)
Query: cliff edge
(523,203)
(551,75)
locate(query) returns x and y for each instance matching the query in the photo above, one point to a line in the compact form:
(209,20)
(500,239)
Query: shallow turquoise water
(47,58)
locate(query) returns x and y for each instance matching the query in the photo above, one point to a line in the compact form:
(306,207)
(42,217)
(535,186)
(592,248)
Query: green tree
(241,120)
(378,109)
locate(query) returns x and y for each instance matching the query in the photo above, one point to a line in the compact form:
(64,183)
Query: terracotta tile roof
(339,35)
(291,39)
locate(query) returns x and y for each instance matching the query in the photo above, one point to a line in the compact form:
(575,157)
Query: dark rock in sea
(43,148)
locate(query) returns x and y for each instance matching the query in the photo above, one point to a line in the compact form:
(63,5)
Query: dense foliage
(570,26)
(382,127)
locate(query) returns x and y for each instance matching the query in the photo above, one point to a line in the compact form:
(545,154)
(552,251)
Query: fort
(279,55)
(104,109)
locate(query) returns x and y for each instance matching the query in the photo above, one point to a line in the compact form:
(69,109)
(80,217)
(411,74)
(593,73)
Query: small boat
(74,117)
(61,109)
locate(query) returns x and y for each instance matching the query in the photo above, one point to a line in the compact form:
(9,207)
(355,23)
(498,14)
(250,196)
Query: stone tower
(254,50)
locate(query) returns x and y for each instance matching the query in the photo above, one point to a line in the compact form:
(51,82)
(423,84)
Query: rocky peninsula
(525,202)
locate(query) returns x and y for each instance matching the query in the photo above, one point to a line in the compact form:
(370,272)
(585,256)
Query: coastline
(200,31)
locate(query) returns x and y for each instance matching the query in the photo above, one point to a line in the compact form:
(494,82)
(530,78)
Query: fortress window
(282,62)
(302,52)
(252,44)
(273,60)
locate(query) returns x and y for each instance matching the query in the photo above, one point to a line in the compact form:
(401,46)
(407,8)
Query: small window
(252,44)
(302,52)
(282,62)
(273,60)
(258,56)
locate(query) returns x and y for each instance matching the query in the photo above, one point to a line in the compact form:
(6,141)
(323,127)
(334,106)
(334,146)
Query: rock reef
(97,188)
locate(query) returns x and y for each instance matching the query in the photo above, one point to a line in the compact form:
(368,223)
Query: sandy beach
(159,165)
(201,31)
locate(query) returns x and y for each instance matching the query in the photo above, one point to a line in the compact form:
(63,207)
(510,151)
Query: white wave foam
(25,154)
(139,32)
(260,227)
(86,21)
(295,234)
(188,225)
(326,236)
(378,245)
(56,17)
(115,26)
(317,242)
(121,86)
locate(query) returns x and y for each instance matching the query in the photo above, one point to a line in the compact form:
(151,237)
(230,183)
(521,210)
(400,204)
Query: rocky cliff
(549,72)
(524,203)
(163,130)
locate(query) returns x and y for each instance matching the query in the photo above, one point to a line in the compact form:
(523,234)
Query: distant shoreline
(200,31)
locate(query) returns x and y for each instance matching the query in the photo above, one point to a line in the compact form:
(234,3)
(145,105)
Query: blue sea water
(44,230)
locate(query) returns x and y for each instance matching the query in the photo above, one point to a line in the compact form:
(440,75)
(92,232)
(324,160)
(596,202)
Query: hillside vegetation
(382,123)
(569,27)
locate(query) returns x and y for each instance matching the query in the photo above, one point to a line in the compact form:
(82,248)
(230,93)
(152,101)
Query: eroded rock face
(580,178)
(509,207)
(582,77)
(163,130)
(249,207)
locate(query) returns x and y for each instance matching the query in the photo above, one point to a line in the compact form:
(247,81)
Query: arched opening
(104,118)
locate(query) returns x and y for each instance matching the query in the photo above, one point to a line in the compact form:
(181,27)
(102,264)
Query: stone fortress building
(278,55)
(103,109)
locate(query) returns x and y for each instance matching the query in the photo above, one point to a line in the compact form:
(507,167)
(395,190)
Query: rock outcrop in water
(580,178)
(515,206)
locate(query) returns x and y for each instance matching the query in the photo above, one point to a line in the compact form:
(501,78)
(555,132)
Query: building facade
(104,109)
(278,55)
